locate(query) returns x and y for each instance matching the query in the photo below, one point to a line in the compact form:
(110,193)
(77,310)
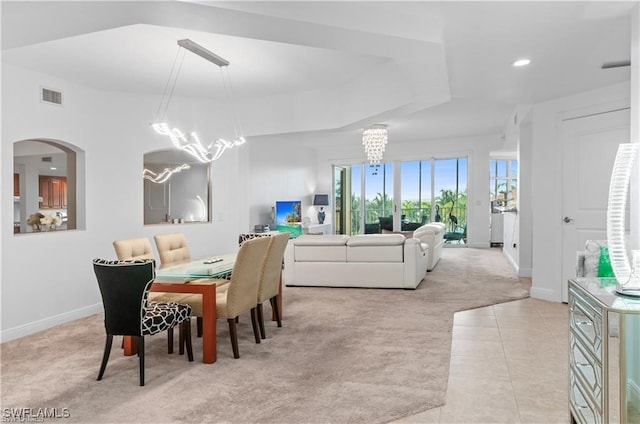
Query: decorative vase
(321,216)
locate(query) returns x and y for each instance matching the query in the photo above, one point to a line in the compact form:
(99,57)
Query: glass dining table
(188,278)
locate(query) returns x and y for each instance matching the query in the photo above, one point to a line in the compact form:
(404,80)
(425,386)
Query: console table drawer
(585,320)
(587,369)
(582,408)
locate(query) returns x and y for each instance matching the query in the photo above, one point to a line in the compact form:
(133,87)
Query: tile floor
(509,364)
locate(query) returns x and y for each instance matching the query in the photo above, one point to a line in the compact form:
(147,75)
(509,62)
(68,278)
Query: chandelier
(374,140)
(204,152)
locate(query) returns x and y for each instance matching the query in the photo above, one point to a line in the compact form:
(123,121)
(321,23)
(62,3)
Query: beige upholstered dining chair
(173,250)
(138,249)
(269,287)
(241,293)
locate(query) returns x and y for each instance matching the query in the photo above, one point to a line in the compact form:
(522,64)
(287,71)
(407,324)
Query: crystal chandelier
(191,143)
(374,140)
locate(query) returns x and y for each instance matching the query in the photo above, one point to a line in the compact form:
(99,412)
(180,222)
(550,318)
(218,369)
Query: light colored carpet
(343,355)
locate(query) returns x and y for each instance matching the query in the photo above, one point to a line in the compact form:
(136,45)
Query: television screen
(289,217)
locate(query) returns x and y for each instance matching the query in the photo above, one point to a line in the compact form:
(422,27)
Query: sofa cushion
(592,257)
(327,240)
(432,228)
(329,248)
(375,248)
(376,240)
(406,234)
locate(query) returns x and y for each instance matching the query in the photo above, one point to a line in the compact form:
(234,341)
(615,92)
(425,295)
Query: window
(435,190)
(503,184)
(430,190)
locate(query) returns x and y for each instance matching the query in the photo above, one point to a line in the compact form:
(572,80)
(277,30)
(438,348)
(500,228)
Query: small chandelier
(374,140)
(191,143)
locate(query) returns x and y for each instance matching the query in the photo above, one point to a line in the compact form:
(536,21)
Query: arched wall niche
(49,178)
(176,188)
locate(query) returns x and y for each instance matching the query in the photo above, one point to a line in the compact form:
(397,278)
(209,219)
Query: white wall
(279,169)
(546,174)
(47,278)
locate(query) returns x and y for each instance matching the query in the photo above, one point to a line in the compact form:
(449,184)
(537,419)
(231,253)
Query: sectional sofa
(433,235)
(370,260)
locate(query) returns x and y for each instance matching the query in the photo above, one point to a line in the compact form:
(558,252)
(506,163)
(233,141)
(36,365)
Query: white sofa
(371,260)
(433,235)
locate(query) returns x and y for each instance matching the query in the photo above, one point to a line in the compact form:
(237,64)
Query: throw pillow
(592,257)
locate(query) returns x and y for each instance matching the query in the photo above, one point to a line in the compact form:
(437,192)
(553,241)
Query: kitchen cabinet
(53,191)
(16,185)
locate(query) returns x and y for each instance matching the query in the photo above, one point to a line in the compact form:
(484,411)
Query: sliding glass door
(416,193)
(450,184)
(433,190)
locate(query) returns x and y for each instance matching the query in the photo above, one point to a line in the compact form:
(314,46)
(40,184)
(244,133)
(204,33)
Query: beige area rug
(342,356)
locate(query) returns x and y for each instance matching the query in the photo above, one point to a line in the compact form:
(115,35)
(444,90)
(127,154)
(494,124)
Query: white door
(589,146)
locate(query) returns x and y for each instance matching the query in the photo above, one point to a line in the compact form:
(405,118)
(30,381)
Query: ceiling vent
(46,158)
(48,95)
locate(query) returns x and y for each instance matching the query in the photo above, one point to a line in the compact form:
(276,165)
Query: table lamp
(321,200)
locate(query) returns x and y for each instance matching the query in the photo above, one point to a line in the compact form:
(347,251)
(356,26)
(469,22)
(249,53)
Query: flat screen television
(289,217)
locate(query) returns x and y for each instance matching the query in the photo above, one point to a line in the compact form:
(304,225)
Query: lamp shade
(321,200)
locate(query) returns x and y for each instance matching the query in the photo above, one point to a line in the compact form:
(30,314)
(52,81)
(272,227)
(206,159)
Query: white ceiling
(450,62)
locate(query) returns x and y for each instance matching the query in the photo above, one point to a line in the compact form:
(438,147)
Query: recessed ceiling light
(521,62)
(53,168)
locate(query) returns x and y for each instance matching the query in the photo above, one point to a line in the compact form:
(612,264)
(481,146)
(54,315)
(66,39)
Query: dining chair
(173,250)
(270,281)
(124,286)
(241,294)
(140,248)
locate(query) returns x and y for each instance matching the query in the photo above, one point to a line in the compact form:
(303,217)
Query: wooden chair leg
(234,337)
(276,309)
(170,340)
(141,355)
(254,324)
(185,339)
(105,355)
(199,326)
(263,333)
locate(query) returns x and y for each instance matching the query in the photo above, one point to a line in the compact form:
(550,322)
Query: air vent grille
(51,96)
(46,158)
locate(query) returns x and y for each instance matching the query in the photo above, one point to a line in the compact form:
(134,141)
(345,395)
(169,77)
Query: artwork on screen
(289,217)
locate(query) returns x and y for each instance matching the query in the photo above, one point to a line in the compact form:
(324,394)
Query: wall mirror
(44,186)
(176,188)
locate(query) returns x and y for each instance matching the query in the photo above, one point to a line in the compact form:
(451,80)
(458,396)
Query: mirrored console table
(604,353)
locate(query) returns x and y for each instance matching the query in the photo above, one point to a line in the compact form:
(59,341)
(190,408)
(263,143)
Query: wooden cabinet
(16,185)
(53,191)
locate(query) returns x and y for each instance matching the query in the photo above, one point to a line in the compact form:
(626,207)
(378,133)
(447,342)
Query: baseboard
(511,261)
(525,272)
(544,294)
(46,323)
(478,245)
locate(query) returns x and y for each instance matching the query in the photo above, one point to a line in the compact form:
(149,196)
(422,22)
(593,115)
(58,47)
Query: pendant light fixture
(204,152)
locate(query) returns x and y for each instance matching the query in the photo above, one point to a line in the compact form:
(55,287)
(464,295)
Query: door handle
(567,220)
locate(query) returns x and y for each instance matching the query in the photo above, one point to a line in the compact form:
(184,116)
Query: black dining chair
(124,286)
